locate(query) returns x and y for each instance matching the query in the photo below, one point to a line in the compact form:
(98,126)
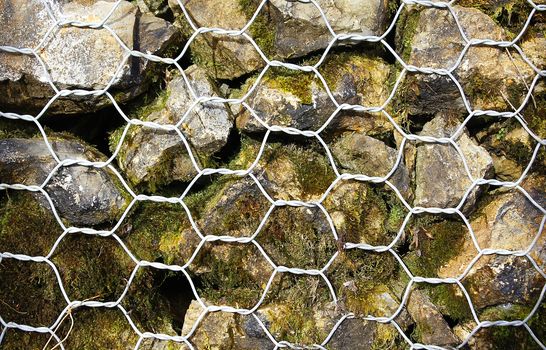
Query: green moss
(298,237)
(410,21)
(437,241)
(299,84)
(296,299)
(263,29)
(157,231)
(371,214)
(92,267)
(449,300)
(223,276)
(23,219)
(370,272)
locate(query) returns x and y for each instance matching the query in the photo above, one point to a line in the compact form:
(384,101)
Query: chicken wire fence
(316,134)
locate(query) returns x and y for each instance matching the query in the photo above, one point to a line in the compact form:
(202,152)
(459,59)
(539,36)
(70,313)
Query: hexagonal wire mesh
(387,249)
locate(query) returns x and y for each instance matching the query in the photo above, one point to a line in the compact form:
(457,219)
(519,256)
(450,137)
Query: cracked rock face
(155,157)
(82,195)
(283,30)
(76,58)
(440,176)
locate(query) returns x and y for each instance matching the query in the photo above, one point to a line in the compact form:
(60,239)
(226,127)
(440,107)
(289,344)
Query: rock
(507,220)
(299,100)
(362,154)
(152,157)
(491,78)
(440,177)
(282,30)
(76,58)
(221,330)
(82,195)
(302,28)
(431,325)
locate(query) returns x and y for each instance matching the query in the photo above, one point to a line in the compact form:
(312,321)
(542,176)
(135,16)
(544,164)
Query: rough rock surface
(491,78)
(82,195)
(156,157)
(301,101)
(508,220)
(362,154)
(282,30)
(440,177)
(76,58)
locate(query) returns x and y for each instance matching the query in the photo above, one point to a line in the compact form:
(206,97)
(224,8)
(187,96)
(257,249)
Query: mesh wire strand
(386,249)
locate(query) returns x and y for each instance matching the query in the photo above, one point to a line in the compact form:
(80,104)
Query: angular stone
(509,221)
(82,195)
(157,157)
(282,30)
(431,325)
(301,100)
(77,58)
(362,154)
(440,176)
(491,77)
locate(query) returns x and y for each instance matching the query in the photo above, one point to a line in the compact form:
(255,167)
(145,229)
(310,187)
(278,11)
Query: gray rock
(82,195)
(221,330)
(76,58)
(282,30)
(362,154)
(156,157)
(440,177)
(489,76)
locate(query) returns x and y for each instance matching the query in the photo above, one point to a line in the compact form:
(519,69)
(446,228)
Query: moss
(23,219)
(98,328)
(295,300)
(155,231)
(409,22)
(221,270)
(92,267)
(297,83)
(298,237)
(17,129)
(449,300)
(370,272)
(371,214)
(438,242)
(263,29)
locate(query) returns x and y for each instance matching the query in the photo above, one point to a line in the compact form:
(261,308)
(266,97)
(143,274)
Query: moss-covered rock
(300,100)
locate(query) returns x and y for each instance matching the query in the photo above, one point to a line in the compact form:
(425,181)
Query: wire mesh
(60,22)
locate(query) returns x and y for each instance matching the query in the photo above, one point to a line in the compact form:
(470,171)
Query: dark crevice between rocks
(93,128)
(176,289)
(231,148)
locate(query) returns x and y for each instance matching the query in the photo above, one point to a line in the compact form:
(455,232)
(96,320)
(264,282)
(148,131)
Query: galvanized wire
(61,21)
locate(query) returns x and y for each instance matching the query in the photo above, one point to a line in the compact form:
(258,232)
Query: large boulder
(283,30)
(82,195)
(77,58)
(152,157)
